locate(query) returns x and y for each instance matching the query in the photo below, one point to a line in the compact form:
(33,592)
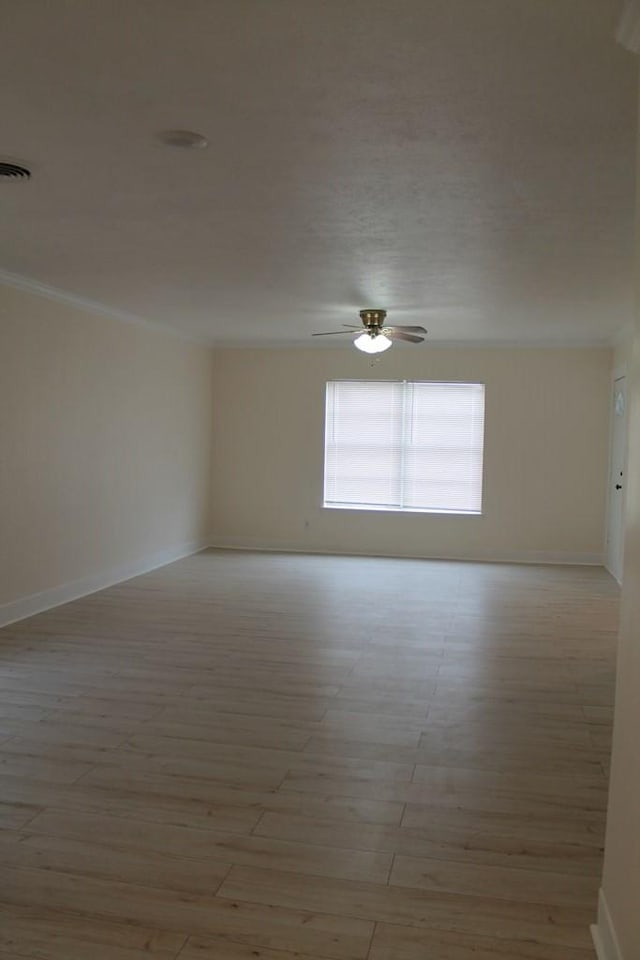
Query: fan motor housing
(373,319)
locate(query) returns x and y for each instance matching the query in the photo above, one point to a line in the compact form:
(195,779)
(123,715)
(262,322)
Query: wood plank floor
(271,756)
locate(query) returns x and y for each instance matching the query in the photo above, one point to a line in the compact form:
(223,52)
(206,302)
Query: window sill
(371,508)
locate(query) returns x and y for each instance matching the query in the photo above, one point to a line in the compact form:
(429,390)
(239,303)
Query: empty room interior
(319,480)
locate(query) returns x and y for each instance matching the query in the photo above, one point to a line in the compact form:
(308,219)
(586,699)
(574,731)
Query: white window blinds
(404,446)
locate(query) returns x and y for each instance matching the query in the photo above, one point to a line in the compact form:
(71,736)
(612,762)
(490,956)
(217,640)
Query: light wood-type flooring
(247,756)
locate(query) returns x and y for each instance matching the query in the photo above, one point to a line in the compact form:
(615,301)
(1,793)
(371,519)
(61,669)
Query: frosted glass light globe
(372,344)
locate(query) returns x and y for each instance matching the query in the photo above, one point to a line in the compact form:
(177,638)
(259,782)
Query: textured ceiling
(464,163)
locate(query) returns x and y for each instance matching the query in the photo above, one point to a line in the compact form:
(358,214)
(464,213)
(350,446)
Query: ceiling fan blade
(405,329)
(393,334)
(331,333)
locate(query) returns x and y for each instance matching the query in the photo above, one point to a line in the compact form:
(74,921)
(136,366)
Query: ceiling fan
(376,337)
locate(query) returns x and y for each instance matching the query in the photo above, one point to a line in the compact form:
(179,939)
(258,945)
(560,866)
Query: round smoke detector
(11,171)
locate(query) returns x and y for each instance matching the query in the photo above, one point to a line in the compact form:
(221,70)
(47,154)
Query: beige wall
(621,882)
(105,445)
(106,433)
(546,450)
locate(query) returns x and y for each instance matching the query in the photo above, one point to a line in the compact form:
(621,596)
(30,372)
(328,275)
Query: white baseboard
(530,557)
(603,932)
(39,602)
(64,593)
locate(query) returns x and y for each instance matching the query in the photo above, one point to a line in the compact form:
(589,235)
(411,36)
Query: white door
(615,521)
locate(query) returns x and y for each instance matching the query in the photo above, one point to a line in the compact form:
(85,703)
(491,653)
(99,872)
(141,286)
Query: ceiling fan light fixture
(369,344)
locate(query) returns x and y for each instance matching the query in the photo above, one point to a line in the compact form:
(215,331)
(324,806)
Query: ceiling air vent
(13,171)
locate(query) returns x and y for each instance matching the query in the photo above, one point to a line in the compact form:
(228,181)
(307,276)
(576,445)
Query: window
(404,446)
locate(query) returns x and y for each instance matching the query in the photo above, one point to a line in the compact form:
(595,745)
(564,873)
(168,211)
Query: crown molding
(20,282)
(429,345)
(628,32)
(48,292)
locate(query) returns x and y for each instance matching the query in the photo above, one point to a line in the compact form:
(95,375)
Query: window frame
(386,508)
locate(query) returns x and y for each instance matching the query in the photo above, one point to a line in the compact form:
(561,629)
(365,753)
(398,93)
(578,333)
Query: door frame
(616,374)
